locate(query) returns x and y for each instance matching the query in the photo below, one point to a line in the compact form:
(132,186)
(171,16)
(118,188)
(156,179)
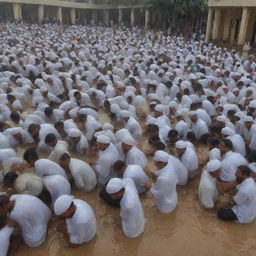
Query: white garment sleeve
(5,234)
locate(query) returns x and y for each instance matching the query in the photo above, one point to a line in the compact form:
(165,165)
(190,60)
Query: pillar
(227,26)
(147,15)
(73,16)
(216,24)
(120,16)
(17,14)
(244,26)
(40,12)
(59,14)
(132,17)
(209,25)
(106,17)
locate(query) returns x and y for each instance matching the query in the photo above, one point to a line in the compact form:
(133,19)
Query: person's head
(11,98)
(64,160)
(152,130)
(64,206)
(193,117)
(59,126)
(126,147)
(45,196)
(127,143)
(48,112)
(243,172)
(204,138)
(30,156)
(15,117)
(157,145)
(51,140)
(9,179)
(213,142)
(103,142)
(82,118)
(213,167)
(77,95)
(75,135)
(173,136)
(191,137)
(34,129)
(5,204)
(161,159)
(225,146)
(115,188)
(248,124)
(181,147)
(119,168)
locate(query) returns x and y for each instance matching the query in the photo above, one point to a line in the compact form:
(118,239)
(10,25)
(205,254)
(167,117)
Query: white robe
(5,234)
(105,163)
(139,177)
(82,225)
(190,160)
(32,215)
(136,157)
(132,213)
(134,128)
(164,189)
(207,191)
(83,175)
(199,128)
(180,170)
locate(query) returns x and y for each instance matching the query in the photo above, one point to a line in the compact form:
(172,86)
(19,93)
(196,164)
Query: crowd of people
(169,92)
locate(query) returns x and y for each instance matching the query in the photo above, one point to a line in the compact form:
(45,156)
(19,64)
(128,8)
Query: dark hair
(50,137)
(118,165)
(32,127)
(9,178)
(153,128)
(59,123)
(77,93)
(30,155)
(205,137)
(158,144)
(15,116)
(213,141)
(228,143)
(10,97)
(152,139)
(191,137)
(4,199)
(64,157)
(48,111)
(173,133)
(45,196)
(245,170)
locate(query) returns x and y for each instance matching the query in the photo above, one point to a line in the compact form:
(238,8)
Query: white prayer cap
(62,204)
(160,108)
(74,133)
(43,89)
(227,131)
(108,126)
(235,90)
(161,156)
(125,113)
(128,140)
(103,139)
(248,119)
(192,77)
(192,113)
(221,119)
(180,144)
(252,104)
(114,185)
(213,165)
(252,166)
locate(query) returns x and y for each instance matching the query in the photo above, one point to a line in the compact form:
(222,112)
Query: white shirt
(245,199)
(83,175)
(82,225)
(32,215)
(164,190)
(207,191)
(132,213)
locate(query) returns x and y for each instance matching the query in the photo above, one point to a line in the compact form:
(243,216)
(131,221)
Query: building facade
(232,21)
(69,12)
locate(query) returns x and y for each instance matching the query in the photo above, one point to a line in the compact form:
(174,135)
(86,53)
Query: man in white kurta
(164,189)
(131,213)
(80,218)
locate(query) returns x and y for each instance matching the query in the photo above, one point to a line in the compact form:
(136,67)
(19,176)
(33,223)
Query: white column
(120,16)
(209,25)
(17,14)
(59,14)
(216,24)
(244,26)
(132,17)
(147,15)
(73,16)
(40,12)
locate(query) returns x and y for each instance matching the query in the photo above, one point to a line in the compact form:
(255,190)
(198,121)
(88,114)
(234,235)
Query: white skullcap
(62,204)
(114,185)
(252,104)
(248,119)
(213,165)
(160,108)
(221,119)
(43,89)
(161,156)
(227,131)
(192,113)
(125,113)
(180,144)
(74,133)
(103,139)
(128,140)
(108,126)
